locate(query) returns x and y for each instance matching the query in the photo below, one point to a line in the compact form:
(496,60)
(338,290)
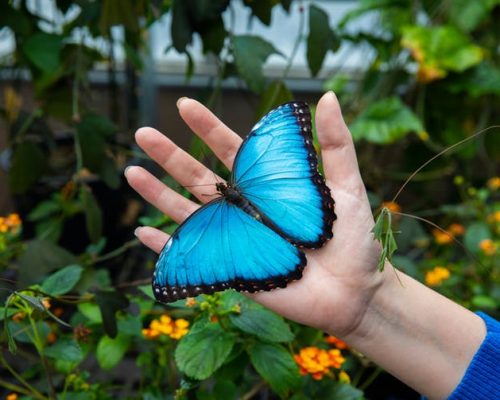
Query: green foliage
(385,122)
(74,287)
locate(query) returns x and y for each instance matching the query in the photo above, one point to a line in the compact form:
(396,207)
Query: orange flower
(488,247)
(493,183)
(51,337)
(317,362)
(190,302)
(456,229)
(442,237)
(46,303)
(11,396)
(10,223)
(437,276)
(339,344)
(392,206)
(18,317)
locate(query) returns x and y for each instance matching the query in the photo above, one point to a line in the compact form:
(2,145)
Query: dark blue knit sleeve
(482,378)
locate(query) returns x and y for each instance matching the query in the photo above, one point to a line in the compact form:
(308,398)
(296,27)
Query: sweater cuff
(482,377)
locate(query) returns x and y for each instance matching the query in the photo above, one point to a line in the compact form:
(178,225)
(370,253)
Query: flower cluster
(488,247)
(318,362)
(165,325)
(10,223)
(447,236)
(437,276)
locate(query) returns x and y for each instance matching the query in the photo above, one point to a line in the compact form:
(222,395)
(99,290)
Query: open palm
(339,280)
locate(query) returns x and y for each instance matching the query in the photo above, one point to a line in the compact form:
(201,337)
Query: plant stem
(118,251)
(370,379)
(35,393)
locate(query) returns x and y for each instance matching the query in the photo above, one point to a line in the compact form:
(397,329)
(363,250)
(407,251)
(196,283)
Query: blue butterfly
(250,238)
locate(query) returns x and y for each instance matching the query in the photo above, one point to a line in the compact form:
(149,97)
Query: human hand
(339,280)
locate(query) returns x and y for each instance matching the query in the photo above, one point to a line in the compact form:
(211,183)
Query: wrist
(417,335)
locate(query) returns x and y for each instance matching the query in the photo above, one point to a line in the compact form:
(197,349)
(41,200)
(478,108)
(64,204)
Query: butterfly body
(250,238)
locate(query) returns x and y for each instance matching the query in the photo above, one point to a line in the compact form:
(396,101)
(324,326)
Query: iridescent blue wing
(220,247)
(276,169)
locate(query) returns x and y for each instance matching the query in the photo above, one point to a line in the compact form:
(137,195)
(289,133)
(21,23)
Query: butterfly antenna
(439,155)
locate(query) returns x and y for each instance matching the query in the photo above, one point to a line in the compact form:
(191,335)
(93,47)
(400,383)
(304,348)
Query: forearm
(418,335)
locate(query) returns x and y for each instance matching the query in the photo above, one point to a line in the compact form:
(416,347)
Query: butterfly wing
(276,169)
(220,247)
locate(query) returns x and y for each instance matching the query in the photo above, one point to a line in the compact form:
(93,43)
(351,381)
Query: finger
(337,148)
(159,195)
(152,238)
(185,169)
(222,140)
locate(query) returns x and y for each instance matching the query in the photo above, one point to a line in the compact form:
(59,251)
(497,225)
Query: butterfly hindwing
(276,169)
(220,247)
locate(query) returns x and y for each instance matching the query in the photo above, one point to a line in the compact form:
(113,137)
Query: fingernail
(127,169)
(136,232)
(180,100)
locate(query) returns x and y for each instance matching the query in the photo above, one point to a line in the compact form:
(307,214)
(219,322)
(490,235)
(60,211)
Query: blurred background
(77,78)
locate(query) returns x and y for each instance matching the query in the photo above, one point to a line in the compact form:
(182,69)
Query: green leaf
(484,302)
(275,94)
(321,38)
(63,280)
(109,303)
(181,29)
(147,290)
(43,210)
(204,349)
(482,80)
(276,366)
(65,350)
(474,234)
(467,15)
(93,213)
(28,164)
(91,311)
(110,351)
(440,49)
(213,36)
(385,122)
(40,258)
(342,391)
(43,50)
(261,9)
(120,12)
(262,323)
(250,53)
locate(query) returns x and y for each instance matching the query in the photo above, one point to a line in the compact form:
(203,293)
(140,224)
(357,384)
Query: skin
(421,337)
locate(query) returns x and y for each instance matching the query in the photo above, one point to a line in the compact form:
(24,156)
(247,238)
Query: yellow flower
(437,276)
(495,217)
(175,329)
(488,247)
(317,362)
(493,183)
(11,396)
